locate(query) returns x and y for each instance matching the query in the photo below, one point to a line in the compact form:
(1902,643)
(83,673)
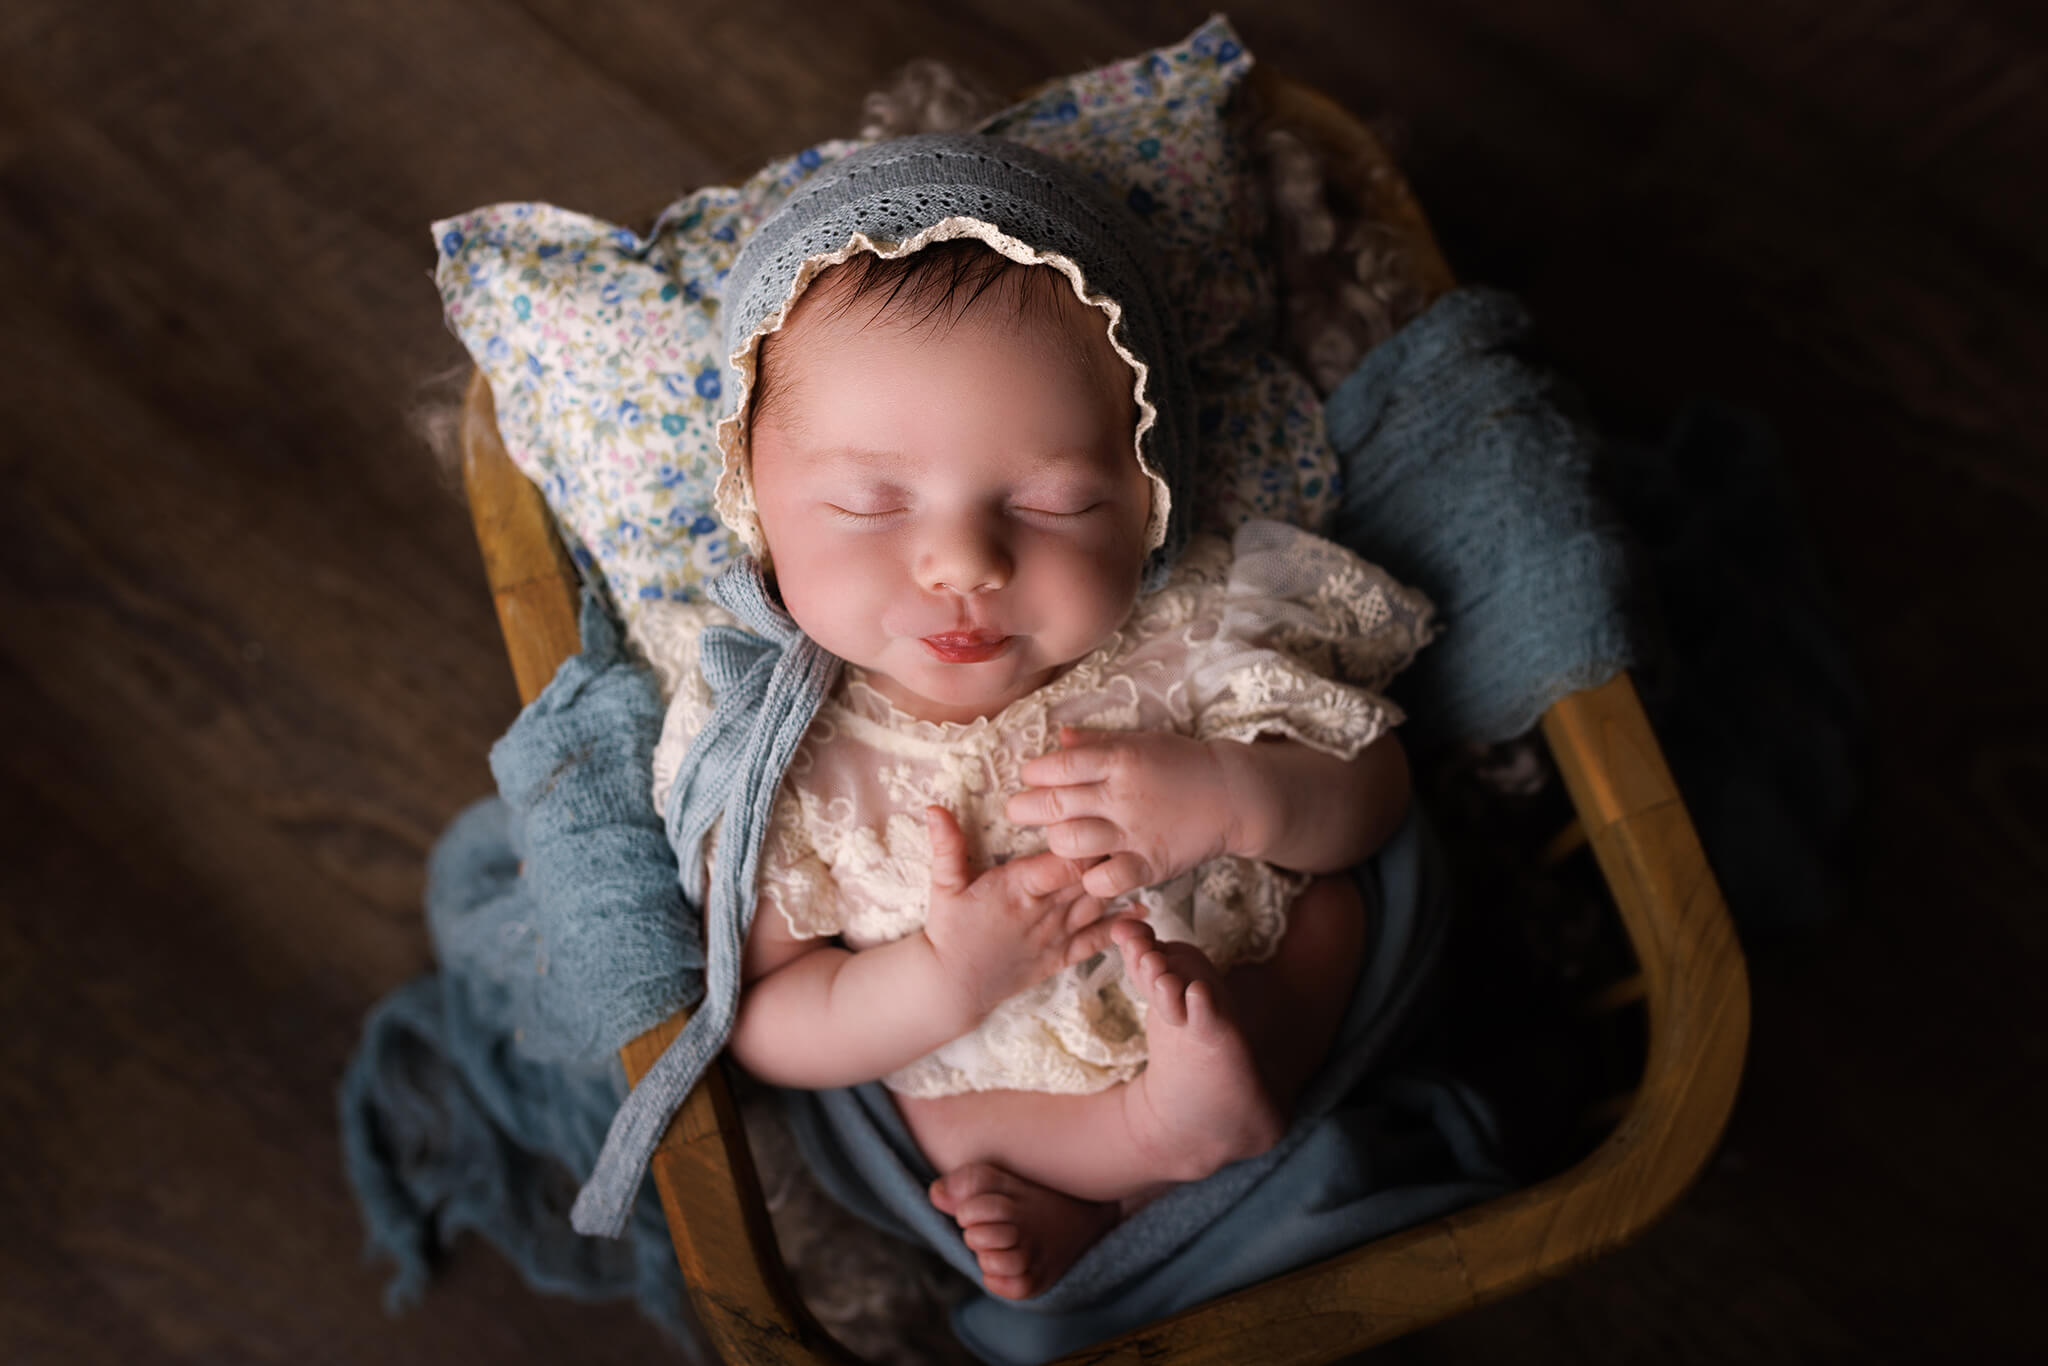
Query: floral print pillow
(602,346)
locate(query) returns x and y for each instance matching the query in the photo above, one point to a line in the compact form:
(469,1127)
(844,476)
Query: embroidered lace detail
(1274,632)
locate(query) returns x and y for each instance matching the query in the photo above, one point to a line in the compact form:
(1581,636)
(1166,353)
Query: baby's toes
(990,1207)
(1008,1262)
(1133,937)
(1009,1287)
(1169,995)
(956,1192)
(1144,965)
(1189,995)
(994,1237)
(1147,969)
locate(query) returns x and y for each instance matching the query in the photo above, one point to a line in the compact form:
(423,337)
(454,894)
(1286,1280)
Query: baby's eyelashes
(1058,514)
(876,511)
(1060,497)
(847,514)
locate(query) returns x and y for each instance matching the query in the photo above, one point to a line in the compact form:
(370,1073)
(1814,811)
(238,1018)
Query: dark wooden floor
(249,669)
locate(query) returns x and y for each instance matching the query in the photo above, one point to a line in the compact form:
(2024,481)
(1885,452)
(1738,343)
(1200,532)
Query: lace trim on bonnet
(734,496)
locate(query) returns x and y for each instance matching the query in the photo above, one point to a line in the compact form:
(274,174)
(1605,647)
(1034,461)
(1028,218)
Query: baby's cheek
(839,595)
(807,592)
(1115,577)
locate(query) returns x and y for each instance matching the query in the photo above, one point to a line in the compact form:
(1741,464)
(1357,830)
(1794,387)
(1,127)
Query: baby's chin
(960,693)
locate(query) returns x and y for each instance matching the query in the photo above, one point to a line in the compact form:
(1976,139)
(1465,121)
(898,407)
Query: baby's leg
(1035,1179)
(1290,1005)
(1198,1104)
(1226,1051)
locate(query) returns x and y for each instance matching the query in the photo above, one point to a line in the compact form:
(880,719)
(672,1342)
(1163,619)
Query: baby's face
(956,508)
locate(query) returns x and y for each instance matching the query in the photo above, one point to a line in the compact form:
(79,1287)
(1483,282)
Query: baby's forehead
(1027,305)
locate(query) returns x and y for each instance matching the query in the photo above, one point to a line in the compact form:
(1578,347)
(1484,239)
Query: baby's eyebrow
(1074,462)
(874,458)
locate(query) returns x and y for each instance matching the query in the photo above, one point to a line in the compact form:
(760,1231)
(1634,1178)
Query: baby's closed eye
(868,513)
(865,500)
(1058,508)
(1060,499)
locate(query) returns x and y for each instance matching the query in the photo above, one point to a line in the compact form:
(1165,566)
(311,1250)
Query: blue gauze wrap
(769,680)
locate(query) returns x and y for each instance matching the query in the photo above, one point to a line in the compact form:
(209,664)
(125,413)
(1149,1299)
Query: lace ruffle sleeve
(1308,636)
(796,882)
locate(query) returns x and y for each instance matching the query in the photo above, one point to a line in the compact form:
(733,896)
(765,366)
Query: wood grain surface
(251,668)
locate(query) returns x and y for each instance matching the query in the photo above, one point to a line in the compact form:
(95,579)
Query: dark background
(250,669)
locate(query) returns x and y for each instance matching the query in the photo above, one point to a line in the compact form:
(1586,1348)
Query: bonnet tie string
(769,680)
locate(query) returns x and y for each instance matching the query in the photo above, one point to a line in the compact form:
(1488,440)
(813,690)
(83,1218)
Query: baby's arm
(1310,811)
(1151,805)
(814,1015)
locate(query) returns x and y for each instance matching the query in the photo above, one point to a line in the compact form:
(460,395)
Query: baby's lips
(966,647)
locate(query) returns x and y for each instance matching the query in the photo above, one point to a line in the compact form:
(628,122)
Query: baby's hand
(1012,926)
(1149,804)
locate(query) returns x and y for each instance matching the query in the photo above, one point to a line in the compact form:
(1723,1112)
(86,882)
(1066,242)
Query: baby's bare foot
(1199,1104)
(1024,1235)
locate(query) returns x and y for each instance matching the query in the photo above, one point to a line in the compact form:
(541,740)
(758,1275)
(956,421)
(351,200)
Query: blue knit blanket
(481,1092)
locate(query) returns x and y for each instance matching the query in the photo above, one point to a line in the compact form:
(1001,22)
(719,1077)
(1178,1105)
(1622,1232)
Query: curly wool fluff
(925,96)
(1347,281)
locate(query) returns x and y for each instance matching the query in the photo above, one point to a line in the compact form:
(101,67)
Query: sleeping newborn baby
(1063,858)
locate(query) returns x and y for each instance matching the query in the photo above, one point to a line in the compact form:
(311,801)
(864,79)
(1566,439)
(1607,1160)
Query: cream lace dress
(1274,632)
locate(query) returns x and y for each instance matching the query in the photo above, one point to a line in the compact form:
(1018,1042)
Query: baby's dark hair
(933,287)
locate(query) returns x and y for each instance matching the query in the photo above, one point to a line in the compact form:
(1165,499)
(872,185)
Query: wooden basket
(1691,983)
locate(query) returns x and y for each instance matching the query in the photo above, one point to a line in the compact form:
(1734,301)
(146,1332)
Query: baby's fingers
(1116,875)
(1043,874)
(1084,911)
(1090,940)
(949,850)
(1085,756)
(1049,805)
(1090,838)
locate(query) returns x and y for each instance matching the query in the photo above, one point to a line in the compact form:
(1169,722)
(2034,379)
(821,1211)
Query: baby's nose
(964,560)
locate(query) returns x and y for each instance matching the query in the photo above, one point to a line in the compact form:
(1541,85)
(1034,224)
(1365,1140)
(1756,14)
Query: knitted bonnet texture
(898,196)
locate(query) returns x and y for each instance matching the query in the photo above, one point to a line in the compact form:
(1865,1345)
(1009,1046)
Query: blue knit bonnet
(896,197)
